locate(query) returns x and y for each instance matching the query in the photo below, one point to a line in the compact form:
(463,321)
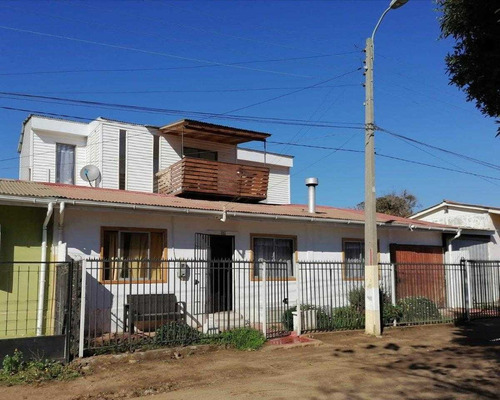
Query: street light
(372,296)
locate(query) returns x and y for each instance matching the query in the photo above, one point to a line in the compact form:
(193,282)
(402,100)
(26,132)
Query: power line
(157,53)
(70,71)
(463,156)
(248,89)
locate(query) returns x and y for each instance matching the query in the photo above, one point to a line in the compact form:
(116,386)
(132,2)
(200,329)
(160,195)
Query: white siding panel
(25,155)
(44,158)
(278,190)
(139,170)
(170,150)
(110,142)
(44,155)
(139,157)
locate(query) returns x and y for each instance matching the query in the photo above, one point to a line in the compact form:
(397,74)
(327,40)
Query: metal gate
(36,309)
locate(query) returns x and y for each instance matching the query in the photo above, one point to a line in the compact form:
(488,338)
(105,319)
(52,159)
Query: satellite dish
(90,173)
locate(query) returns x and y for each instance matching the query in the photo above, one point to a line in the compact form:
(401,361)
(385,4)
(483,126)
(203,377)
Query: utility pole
(372,297)
(373,317)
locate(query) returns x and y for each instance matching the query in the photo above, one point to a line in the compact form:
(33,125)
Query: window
(354,259)
(122,160)
(133,254)
(65,163)
(278,252)
(199,153)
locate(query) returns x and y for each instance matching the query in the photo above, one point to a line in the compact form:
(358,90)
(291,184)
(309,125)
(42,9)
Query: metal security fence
(172,302)
(483,288)
(35,308)
(127,303)
(331,294)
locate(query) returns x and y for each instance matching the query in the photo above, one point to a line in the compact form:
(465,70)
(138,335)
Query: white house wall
(44,155)
(315,242)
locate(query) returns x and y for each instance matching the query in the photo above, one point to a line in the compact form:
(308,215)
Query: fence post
(393,289)
(69,311)
(469,287)
(264,315)
(299,299)
(81,341)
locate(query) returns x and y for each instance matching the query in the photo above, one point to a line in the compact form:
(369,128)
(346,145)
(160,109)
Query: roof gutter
(237,214)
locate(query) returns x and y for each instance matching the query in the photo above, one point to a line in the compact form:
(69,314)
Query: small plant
(347,318)
(243,339)
(15,370)
(176,334)
(13,364)
(418,309)
(390,312)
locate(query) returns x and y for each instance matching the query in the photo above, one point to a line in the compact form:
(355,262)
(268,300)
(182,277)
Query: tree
(474,64)
(400,205)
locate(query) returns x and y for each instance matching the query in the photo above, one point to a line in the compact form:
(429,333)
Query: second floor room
(185,158)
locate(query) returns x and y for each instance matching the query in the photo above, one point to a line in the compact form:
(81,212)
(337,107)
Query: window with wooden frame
(279,254)
(133,254)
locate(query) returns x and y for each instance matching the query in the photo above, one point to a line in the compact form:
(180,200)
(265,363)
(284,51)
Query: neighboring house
(483,245)
(20,255)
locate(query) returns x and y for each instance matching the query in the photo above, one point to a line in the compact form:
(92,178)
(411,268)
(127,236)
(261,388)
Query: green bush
(176,334)
(242,339)
(390,313)
(15,370)
(418,309)
(347,318)
(322,318)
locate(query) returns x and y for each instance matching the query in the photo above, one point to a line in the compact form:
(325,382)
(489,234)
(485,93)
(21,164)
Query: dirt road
(432,362)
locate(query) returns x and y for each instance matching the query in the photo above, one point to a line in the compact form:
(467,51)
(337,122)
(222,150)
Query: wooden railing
(194,177)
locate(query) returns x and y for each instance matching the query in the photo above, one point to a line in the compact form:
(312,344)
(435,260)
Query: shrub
(15,370)
(390,312)
(418,309)
(322,318)
(14,363)
(242,339)
(176,334)
(347,318)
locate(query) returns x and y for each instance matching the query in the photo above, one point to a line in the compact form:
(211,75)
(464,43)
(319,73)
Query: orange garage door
(419,272)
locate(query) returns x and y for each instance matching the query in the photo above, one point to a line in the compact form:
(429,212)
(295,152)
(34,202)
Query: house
(181,211)
(484,244)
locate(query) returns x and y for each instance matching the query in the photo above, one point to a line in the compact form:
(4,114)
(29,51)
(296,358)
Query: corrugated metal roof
(99,195)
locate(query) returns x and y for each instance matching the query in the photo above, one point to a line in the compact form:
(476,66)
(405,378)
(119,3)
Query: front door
(220,274)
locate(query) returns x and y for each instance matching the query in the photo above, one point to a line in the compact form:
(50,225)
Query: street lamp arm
(379,22)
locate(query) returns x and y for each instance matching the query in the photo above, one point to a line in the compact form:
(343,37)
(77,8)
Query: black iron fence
(125,303)
(332,297)
(140,302)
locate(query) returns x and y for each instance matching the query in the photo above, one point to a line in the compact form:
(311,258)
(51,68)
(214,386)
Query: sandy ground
(430,362)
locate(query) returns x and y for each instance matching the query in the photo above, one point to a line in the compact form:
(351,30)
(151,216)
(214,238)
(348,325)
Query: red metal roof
(20,188)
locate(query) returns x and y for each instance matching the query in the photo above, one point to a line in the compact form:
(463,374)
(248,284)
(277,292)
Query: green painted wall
(20,240)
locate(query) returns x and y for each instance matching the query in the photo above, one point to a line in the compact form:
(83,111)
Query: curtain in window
(65,163)
(354,258)
(135,249)
(279,251)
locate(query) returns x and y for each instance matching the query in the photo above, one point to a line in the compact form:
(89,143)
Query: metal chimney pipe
(311,184)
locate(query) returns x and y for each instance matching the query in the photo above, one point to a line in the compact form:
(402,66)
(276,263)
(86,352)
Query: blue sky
(412,95)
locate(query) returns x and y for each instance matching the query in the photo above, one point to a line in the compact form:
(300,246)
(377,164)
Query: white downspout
(43,272)
(450,247)
(60,235)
